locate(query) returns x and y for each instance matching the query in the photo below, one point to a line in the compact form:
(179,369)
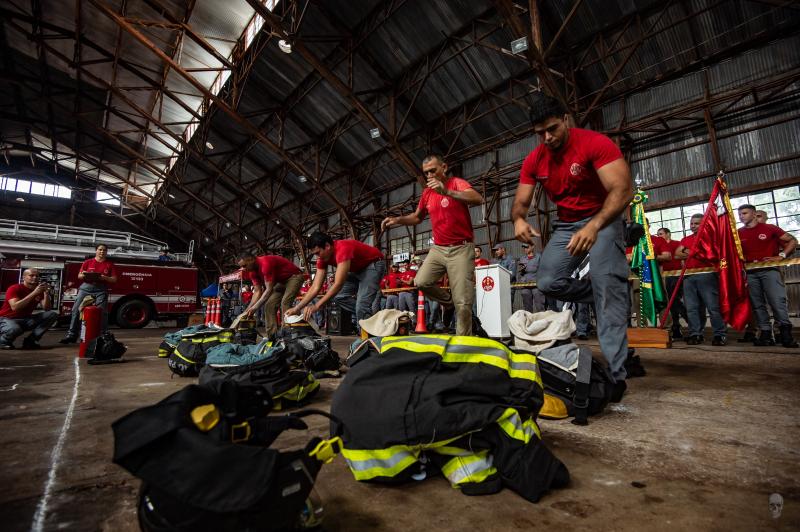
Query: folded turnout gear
(460,405)
(535,331)
(575,383)
(105,349)
(204,460)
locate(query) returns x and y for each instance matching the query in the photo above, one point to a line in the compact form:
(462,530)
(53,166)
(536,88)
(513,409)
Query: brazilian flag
(652,295)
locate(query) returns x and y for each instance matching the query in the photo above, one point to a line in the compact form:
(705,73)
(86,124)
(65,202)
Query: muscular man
(276,283)
(761,242)
(584,174)
(672,264)
(359,270)
(16,314)
(447,199)
(700,290)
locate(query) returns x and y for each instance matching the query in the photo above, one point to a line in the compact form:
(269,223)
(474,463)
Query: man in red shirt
(96,274)
(762,242)
(359,270)
(276,281)
(480,261)
(390,281)
(407,300)
(585,175)
(447,199)
(16,314)
(672,264)
(700,290)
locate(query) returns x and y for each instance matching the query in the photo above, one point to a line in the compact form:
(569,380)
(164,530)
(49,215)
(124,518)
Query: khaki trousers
(458,262)
(283,294)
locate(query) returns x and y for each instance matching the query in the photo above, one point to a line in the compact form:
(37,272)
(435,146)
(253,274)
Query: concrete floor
(698,444)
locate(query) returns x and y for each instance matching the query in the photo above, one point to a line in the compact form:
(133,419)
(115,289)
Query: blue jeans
(766,286)
(360,290)
(100,295)
(608,288)
(10,328)
(702,290)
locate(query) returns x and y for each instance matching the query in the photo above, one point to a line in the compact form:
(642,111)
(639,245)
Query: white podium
(493,299)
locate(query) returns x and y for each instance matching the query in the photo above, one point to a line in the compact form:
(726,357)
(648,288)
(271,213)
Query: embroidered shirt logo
(445,202)
(762,236)
(575,169)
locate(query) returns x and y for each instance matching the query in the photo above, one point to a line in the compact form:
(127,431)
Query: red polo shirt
(390,280)
(450,220)
(569,175)
(481,262)
(408,277)
(761,241)
(693,262)
(18,291)
(359,254)
(674,264)
(272,269)
(103,268)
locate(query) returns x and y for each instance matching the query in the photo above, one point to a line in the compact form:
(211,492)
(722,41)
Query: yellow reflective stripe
(452,451)
(483,350)
(414,346)
(300,391)
(512,424)
(463,469)
(377,467)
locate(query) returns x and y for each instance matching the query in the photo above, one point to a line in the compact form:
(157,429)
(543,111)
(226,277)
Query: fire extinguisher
(91,317)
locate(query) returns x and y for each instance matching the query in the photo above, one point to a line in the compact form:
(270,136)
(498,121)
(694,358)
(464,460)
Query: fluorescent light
(20,199)
(209,145)
(171,196)
(375,133)
(519,45)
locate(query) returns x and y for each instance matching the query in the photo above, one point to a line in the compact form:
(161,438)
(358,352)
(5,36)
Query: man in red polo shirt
(700,290)
(276,281)
(359,270)
(447,199)
(763,242)
(672,264)
(585,175)
(391,281)
(479,260)
(16,313)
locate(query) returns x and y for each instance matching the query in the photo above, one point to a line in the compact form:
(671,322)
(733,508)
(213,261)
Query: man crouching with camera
(16,314)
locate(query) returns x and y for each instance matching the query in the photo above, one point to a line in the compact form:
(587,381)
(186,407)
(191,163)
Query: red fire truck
(146,288)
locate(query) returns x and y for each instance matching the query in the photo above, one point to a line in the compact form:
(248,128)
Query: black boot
(764,339)
(749,336)
(786,336)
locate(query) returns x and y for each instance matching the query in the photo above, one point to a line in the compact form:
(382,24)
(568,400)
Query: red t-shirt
(481,262)
(103,268)
(693,262)
(450,220)
(247,297)
(272,269)
(761,241)
(674,264)
(569,175)
(408,277)
(359,254)
(18,291)
(390,280)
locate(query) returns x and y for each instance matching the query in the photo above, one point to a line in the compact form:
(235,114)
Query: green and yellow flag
(652,296)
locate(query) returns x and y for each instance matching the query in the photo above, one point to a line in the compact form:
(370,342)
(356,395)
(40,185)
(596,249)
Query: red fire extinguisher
(90,327)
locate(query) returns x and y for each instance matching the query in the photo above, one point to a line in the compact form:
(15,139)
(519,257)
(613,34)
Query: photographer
(16,314)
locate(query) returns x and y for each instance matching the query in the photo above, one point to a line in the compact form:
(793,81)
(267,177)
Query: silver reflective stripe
(477,350)
(388,463)
(466,469)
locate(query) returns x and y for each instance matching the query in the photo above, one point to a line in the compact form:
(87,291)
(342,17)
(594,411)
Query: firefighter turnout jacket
(460,405)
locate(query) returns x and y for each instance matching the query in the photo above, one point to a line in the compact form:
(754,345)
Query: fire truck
(146,287)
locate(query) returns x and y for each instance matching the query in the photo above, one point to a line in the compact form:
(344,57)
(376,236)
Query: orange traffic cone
(421,329)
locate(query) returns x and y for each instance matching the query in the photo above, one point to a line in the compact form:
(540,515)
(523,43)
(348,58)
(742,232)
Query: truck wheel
(133,314)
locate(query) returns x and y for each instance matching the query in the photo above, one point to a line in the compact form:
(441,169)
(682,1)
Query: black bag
(583,391)
(190,354)
(206,465)
(105,348)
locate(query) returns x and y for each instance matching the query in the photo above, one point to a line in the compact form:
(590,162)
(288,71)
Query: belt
(456,244)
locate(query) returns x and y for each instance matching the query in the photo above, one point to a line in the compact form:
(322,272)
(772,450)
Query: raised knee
(545,284)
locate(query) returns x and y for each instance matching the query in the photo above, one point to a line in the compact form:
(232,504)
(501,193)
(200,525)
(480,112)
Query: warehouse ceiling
(194,115)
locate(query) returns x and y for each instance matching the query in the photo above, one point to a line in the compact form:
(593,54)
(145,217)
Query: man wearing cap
(586,176)
(276,283)
(527,266)
(447,199)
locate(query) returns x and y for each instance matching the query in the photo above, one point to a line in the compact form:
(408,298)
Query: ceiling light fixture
(258,205)
(375,133)
(277,222)
(171,196)
(208,239)
(108,211)
(20,199)
(302,178)
(285,46)
(209,145)
(245,237)
(227,224)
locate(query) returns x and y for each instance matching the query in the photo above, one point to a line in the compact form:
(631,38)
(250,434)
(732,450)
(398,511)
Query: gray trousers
(699,291)
(10,328)
(360,290)
(583,319)
(766,286)
(392,301)
(608,288)
(100,294)
(408,301)
(532,299)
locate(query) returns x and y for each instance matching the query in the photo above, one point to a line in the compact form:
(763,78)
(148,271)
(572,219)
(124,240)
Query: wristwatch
(782,255)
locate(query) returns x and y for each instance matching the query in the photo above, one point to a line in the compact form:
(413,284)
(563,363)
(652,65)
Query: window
(107,199)
(400,245)
(24,186)
(424,240)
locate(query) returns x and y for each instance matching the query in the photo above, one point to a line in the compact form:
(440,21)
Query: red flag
(718,241)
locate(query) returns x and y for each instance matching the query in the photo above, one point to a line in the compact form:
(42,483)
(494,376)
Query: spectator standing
(532,298)
(96,274)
